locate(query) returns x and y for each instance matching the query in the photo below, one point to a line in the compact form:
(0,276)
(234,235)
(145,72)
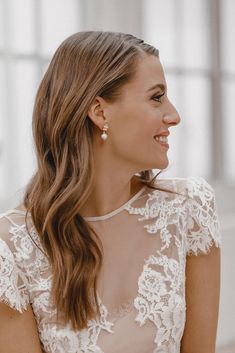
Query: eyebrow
(158,85)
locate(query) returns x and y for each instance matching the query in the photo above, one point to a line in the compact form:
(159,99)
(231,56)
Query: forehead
(149,72)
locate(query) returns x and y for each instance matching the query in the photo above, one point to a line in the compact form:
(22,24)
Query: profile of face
(142,112)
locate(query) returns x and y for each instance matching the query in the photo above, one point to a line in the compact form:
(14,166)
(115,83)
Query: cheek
(136,134)
(135,125)
(151,122)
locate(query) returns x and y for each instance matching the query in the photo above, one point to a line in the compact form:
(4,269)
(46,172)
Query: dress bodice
(141,287)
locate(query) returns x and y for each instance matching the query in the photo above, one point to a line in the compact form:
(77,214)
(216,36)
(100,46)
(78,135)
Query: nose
(171,116)
(172,119)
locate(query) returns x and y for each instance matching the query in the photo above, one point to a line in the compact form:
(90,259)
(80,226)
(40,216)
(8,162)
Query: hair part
(85,65)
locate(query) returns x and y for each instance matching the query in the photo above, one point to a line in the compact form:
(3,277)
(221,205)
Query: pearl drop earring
(104,135)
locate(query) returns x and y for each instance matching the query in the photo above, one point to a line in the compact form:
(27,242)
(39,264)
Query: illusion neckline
(105,216)
(116,211)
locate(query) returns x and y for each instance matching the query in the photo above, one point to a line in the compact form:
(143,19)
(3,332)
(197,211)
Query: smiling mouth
(162,140)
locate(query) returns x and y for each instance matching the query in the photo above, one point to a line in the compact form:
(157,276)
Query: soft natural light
(197,50)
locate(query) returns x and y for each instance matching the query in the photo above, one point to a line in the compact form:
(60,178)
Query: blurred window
(30,32)
(197,50)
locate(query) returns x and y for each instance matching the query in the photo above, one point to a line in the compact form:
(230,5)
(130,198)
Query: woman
(97,256)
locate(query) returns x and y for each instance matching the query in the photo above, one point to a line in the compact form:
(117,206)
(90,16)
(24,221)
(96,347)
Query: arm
(18,331)
(202,301)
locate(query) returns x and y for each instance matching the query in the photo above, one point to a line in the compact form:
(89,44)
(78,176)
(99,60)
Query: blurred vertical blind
(197,50)
(183,30)
(30,32)
(228,82)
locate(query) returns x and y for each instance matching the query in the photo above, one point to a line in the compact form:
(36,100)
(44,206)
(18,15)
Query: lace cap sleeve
(13,281)
(203,223)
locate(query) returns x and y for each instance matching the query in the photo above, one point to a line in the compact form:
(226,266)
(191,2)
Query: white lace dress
(141,287)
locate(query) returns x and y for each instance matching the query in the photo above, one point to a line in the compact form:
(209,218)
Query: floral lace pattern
(186,223)
(160,300)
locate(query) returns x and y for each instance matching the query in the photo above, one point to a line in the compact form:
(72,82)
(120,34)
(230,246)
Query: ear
(96,112)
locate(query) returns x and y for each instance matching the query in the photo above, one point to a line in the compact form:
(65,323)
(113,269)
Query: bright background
(197,50)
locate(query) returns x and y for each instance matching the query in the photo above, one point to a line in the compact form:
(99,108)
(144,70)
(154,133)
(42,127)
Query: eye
(158,98)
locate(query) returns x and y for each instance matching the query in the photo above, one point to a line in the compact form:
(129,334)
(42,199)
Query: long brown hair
(85,65)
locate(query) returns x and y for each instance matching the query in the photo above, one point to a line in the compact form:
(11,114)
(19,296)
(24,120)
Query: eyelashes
(158,97)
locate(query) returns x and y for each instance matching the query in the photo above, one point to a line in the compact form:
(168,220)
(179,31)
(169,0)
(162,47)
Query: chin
(161,164)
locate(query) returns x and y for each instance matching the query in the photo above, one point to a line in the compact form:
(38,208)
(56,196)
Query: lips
(162,138)
(163,133)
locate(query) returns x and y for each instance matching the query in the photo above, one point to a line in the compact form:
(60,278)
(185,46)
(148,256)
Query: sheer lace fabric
(141,287)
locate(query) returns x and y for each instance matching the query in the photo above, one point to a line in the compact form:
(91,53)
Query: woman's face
(142,112)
